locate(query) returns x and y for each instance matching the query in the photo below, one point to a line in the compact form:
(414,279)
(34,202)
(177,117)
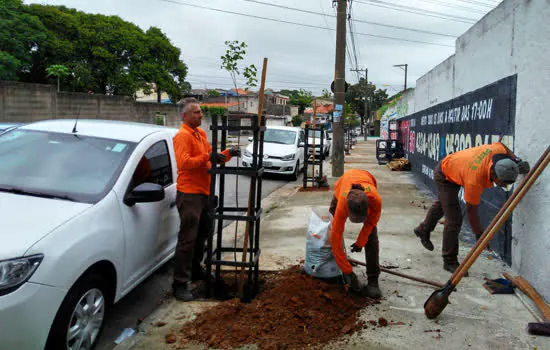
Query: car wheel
(294,176)
(81,316)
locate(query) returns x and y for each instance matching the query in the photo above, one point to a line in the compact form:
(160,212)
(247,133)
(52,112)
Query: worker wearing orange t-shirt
(355,197)
(475,169)
(193,154)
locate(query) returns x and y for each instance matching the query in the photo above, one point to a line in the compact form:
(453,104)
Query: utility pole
(339,89)
(401,66)
(366,114)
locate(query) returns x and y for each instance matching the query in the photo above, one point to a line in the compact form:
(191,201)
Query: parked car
(283,151)
(8,126)
(327,142)
(86,216)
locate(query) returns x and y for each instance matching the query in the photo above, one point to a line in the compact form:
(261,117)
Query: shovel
(435,304)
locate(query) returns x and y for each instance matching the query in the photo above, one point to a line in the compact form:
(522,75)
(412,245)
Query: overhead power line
(356,20)
(460,7)
(417,11)
(302,24)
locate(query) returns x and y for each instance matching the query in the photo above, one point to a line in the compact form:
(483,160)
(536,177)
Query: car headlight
(289,157)
(15,272)
(247,154)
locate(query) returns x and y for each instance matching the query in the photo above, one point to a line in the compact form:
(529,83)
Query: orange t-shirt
(471,169)
(193,158)
(341,190)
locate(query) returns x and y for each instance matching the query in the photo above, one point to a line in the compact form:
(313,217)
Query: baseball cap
(506,170)
(358,204)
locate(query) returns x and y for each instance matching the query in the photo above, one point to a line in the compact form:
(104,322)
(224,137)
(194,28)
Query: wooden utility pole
(339,90)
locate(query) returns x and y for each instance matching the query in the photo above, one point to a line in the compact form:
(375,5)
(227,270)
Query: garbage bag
(319,261)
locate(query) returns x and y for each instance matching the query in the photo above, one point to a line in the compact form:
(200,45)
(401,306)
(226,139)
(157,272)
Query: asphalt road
(145,298)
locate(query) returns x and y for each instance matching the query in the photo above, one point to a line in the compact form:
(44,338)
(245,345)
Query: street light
(401,66)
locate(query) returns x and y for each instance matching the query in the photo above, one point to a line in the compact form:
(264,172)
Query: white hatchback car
(86,216)
(283,151)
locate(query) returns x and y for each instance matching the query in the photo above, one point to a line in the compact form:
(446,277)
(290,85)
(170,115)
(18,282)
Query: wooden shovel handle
(526,288)
(502,217)
(503,209)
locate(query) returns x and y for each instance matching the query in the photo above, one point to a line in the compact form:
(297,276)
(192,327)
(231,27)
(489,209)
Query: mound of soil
(293,311)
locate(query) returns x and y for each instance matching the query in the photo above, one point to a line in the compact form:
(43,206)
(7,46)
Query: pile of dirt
(293,311)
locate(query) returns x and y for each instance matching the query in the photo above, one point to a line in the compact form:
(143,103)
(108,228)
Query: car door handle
(173,204)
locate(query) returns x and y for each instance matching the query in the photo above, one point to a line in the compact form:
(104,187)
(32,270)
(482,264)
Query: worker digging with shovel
(475,169)
(355,197)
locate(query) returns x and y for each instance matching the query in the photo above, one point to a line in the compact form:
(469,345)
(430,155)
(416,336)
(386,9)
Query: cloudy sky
(299,37)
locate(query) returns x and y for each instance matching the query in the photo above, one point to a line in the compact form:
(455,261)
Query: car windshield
(54,165)
(317,133)
(286,137)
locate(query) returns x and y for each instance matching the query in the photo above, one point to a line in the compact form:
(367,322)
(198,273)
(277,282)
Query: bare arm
(473,219)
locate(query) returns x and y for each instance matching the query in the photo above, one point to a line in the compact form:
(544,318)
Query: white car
(283,151)
(86,216)
(315,137)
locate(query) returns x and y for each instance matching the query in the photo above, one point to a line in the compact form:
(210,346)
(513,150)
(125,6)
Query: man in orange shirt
(355,197)
(475,169)
(193,154)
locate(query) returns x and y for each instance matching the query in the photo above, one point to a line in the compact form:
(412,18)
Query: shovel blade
(438,301)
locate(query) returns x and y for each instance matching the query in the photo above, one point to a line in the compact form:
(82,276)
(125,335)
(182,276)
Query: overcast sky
(302,57)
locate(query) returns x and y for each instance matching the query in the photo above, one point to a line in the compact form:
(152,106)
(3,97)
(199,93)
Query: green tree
(59,71)
(234,54)
(105,54)
(8,66)
(356,94)
(326,94)
(21,35)
(302,99)
(162,66)
(213,93)
(297,120)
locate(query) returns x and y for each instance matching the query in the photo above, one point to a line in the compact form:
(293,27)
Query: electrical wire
(460,7)
(416,11)
(356,20)
(301,24)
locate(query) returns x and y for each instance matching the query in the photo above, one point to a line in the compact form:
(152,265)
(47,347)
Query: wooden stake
(250,194)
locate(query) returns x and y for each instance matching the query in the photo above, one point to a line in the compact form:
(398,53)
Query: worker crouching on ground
(475,169)
(193,154)
(356,198)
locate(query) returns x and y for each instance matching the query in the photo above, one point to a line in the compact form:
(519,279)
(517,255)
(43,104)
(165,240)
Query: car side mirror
(301,144)
(145,193)
(250,139)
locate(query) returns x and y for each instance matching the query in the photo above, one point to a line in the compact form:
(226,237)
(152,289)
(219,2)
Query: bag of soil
(319,261)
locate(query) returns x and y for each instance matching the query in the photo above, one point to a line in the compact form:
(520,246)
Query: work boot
(372,290)
(452,266)
(424,238)
(182,292)
(353,282)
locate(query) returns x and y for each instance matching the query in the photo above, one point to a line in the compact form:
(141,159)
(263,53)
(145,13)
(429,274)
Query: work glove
(355,248)
(221,158)
(235,152)
(523,166)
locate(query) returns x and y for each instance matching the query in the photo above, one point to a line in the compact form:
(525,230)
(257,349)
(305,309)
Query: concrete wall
(21,102)
(513,39)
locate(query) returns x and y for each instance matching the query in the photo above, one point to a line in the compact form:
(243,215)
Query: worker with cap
(356,197)
(475,169)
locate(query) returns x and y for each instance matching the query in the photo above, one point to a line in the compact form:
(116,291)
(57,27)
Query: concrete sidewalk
(474,319)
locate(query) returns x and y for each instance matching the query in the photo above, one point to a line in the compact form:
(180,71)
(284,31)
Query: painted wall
(513,40)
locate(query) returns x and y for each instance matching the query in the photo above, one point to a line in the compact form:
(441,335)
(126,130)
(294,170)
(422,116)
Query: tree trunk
(159,93)
(58,83)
